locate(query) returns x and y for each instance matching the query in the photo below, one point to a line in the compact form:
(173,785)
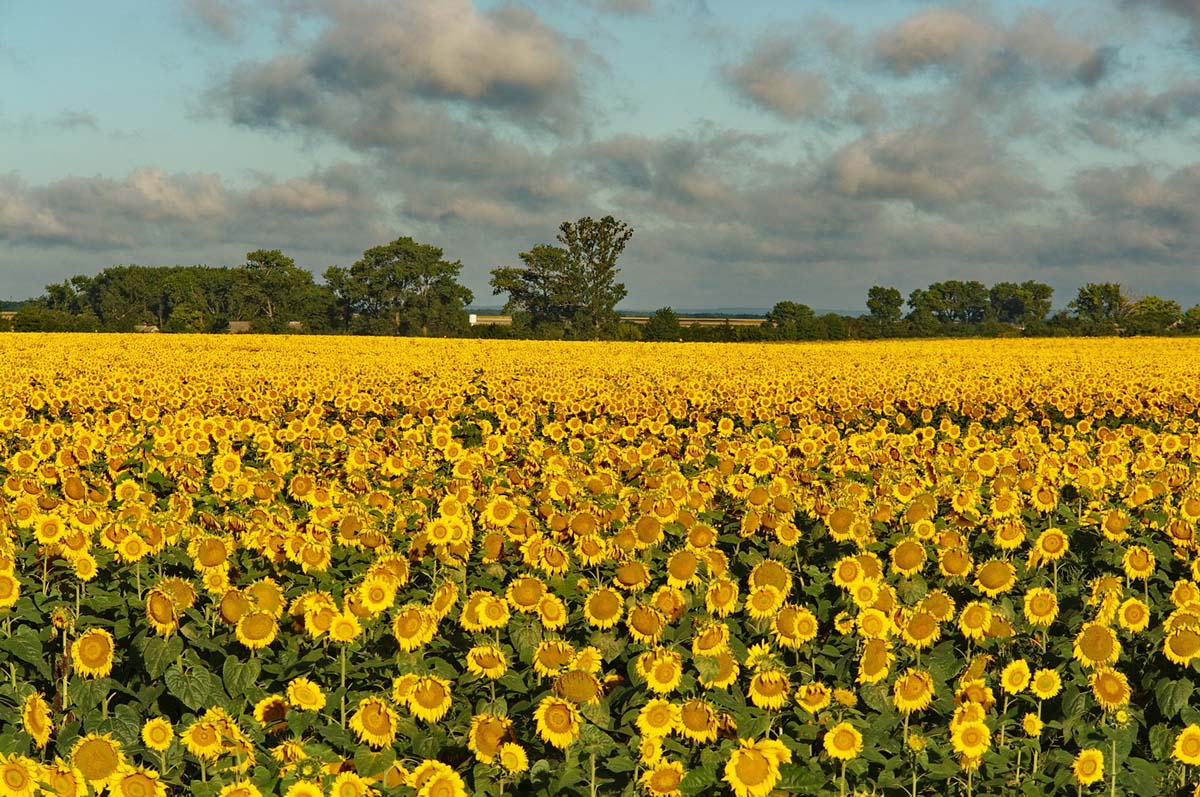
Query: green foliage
(663,324)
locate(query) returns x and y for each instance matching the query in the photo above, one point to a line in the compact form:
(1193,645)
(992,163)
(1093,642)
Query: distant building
(145,328)
(238,327)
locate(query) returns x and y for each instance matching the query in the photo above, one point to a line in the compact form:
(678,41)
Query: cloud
(1187,10)
(630,7)
(73,120)
(406,57)
(150,207)
(976,45)
(1176,104)
(768,79)
(938,167)
(222,19)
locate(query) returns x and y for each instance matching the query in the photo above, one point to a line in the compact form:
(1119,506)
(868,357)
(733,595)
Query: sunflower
(1015,677)
(1181,645)
(557,721)
(1133,615)
(239,788)
(663,779)
(764,601)
(157,734)
(161,611)
(793,626)
(874,624)
(92,653)
(1050,546)
(913,691)
(920,630)
(305,694)
(1096,645)
(975,620)
(351,784)
(137,782)
(875,662)
(813,697)
(971,739)
(374,722)
(1138,562)
(60,778)
(723,672)
(1187,746)
(343,628)
(753,768)
(1110,688)
(995,577)
(603,608)
(908,557)
(1032,725)
(306,788)
(430,698)
(203,740)
(487,735)
(512,758)
(698,721)
(1046,684)
(413,627)
(661,668)
(1041,607)
(98,757)
(10,589)
(488,661)
(35,719)
(1088,766)
(646,624)
(843,741)
(19,776)
(658,718)
(721,597)
(552,656)
(769,689)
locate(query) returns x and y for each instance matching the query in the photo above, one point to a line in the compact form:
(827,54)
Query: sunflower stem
(843,779)
(1004,719)
(343,662)
(1112,770)
(592,779)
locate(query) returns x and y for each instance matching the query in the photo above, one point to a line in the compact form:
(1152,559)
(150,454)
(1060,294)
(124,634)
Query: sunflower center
(752,768)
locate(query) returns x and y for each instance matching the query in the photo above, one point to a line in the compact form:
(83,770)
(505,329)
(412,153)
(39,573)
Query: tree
(884,304)
(1191,320)
(1025,303)
(402,288)
(271,291)
(1100,302)
(1152,316)
(791,321)
(663,324)
(573,285)
(540,289)
(591,270)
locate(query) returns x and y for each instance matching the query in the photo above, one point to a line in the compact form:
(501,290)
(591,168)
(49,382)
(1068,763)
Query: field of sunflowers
(341,566)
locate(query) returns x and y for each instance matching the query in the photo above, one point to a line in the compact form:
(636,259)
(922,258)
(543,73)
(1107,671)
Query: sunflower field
(341,566)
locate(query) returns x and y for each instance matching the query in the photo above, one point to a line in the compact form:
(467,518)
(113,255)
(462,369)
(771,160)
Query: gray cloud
(150,207)
(1187,10)
(973,43)
(222,19)
(1177,103)
(72,120)
(626,6)
(934,167)
(404,57)
(768,79)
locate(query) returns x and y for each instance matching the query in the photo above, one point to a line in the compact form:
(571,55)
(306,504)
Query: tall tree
(541,289)
(1100,302)
(402,288)
(1152,315)
(1024,303)
(591,271)
(884,304)
(663,324)
(271,291)
(791,321)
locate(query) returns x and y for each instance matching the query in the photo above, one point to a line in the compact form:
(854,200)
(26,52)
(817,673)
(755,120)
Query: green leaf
(239,676)
(1162,739)
(125,725)
(699,779)
(159,654)
(197,689)
(25,644)
(1143,776)
(369,763)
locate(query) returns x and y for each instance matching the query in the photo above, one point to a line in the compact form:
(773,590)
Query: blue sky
(760,150)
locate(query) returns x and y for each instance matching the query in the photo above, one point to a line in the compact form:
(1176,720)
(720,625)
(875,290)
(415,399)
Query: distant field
(233,565)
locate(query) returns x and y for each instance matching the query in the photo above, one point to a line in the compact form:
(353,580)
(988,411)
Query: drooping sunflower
(721,597)
(1088,766)
(875,662)
(603,608)
(413,627)
(769,689)
(257,629)
(487,735)
(98,757)
(552,656)
(430,698)
(35,719)
(813,697)
(161,611)
(843,741)
(374,722)
(488,661)
(913,691)
(92,653)
(60,778)
(557,721)
(663,779)
(646,624)
(1187,746)
(698,721)
(1096,645)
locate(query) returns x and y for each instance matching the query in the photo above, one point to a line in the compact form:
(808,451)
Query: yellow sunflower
(1110,688)
(1187,746)
(256,629)
(1014,678)
(663,779)
(92,653)
(374,722)
(430,698)
(753,768)
(769,689)
(1096,645)
(157,734)
(98,757)
(913,691)
(18,776)
(971,739)
(843,741)
(488,661)
(1046,684)
(305,694)
(558,721)
(35,719)
(512,758)
(1088,766)
(662,669)
(487,736)
(137,782)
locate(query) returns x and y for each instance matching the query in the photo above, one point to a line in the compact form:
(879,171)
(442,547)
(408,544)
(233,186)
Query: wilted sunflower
(271,713)
(429,699)
(813,697)
(487,735)
(557,721)
(92,653)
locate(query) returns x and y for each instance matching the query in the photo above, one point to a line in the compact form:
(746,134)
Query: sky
(761,150)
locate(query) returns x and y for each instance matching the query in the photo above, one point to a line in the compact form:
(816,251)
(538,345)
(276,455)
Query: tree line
(567,290)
